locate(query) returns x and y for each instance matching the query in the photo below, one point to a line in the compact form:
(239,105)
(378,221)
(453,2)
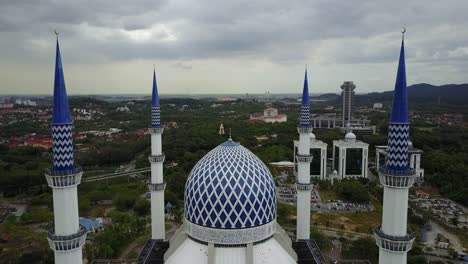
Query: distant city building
(45,143)
(318,150)
(123,109)
(350,157)
(414,160)
(347,97)
(269,115)
(25,102)
(6,105)
(378,105)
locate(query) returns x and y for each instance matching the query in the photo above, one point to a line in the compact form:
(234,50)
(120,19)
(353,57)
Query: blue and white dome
(230,189)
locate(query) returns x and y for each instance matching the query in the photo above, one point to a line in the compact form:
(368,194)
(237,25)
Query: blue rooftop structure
(155,107)
(398,129)
(61,112)
(305,106)
(89,224)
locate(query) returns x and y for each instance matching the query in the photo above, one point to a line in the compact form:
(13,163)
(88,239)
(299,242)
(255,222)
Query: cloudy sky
(206,46)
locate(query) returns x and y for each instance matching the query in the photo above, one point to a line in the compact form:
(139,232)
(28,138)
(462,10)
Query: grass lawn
(363,222)
(427,129)
(327,195)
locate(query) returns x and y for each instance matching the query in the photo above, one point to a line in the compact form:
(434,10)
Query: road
(436,228)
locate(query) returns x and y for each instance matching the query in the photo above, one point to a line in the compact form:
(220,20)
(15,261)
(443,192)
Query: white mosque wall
(66,210)
(157,214)
(70,257)
(395,206)
(387,257)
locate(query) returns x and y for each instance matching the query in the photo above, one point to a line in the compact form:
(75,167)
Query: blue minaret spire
(61,121)
(398,130)
(61,113)
(155,107)
(305,106)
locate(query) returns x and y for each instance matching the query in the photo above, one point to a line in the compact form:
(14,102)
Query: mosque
(230,206)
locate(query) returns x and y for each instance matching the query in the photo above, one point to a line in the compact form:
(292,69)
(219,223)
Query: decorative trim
(156,116)
(62,146)
(64,178)
(302,130)
(65,243)
(305,115)
(157,186)
(230,236)
(156,158)
(303,186)
(396,178)
(393,243)
(304,158)
(156,130)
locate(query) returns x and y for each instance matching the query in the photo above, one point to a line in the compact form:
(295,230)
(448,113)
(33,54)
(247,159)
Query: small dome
(350,136)
(230,188)
(312,136)
(410,144)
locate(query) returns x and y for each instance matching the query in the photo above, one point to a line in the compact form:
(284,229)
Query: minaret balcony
(157,186)
(304,158)
(63,178)
(302,130)
(396,179)
(156,158)
(303,186)
(64,243)
(393,243)
(156,130)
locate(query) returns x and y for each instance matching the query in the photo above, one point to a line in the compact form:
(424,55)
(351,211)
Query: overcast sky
(242,46)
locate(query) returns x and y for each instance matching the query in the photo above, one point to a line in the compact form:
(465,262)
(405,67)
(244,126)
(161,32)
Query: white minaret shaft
(397,177)
(67,237)
(304,158)
(156,159)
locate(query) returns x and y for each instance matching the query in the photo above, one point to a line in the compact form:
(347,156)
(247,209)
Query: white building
(269,115)
(350,157)
(318,150)
(378,105)
(414,160)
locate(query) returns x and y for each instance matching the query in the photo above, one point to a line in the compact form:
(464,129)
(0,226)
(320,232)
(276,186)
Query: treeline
(445,160)
(21,168)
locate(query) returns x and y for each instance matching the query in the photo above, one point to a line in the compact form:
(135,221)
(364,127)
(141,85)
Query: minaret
(67,237)
(156,159)
(304,158)
(397,177)
(221,129)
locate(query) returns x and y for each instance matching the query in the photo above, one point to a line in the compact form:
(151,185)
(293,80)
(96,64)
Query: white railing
(65,243)
(63,178)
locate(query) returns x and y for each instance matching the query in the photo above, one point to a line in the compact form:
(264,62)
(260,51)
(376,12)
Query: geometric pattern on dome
(230,188)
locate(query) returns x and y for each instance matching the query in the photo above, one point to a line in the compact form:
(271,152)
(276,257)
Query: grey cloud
(282,32)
